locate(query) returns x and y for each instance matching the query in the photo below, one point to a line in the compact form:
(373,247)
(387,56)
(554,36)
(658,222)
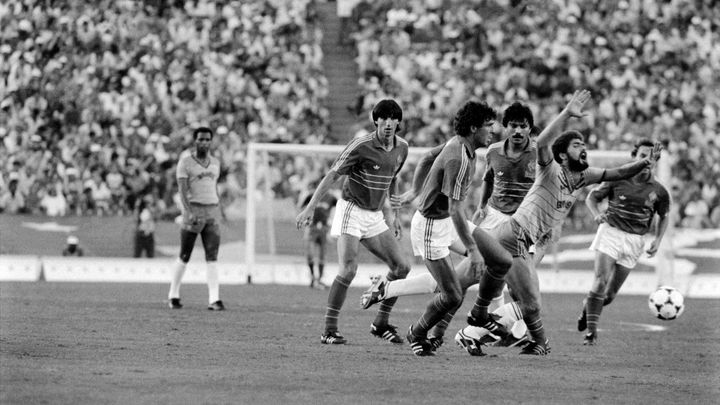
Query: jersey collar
(506,145)
(378,144)
(467,146)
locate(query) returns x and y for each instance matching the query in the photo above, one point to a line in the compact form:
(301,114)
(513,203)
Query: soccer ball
(666,303)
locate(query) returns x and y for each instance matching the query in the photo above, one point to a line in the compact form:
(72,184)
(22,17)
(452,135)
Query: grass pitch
(90,343)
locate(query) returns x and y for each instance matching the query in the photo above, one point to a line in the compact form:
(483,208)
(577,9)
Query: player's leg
(187,243)
(387,249)
(467,276)
(321,245)
(309,256)
(498,261)
(617,279)
(211,242)
(447,299)
(605,266)
(523,281)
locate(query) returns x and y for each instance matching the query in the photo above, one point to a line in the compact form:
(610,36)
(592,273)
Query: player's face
(386,127)
(577,155)
(202,142)
(644,152)
(518,132)
(484,134)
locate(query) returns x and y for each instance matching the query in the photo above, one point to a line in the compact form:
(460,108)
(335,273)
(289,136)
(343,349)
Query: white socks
(213,281)
(420,284)
(178,271)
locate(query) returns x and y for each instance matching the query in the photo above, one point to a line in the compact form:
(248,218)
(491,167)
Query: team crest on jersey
(530,170)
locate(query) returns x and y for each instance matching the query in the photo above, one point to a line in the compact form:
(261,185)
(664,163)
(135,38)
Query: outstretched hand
(655,153)
(575,106)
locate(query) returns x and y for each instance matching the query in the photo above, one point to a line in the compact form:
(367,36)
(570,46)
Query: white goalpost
(259,160)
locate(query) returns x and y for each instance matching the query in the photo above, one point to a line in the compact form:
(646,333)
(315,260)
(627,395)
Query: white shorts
(431,238)
(353,220)
(495,218)
(624,247)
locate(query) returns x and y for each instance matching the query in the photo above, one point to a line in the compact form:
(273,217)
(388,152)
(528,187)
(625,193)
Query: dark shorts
(205,216)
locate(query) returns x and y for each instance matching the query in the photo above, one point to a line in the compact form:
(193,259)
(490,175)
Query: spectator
(12,200)
(73,247)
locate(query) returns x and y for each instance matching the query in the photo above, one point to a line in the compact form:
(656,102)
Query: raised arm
(574,108)
(630,169)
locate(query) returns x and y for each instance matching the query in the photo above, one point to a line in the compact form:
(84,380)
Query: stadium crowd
(652,66)
(97,100)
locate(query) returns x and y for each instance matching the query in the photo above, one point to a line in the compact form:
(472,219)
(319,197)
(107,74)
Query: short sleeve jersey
(449,177)
(550,198)
(370,169)
(632,205)
(511,177)
(202,180)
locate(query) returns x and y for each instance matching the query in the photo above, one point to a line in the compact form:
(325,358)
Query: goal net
(278,175)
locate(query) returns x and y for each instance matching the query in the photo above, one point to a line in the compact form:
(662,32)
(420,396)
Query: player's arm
(485,191)
(662,209)
(419,175)
(184,192)
(574,108)
(594,198)
(306,215)
(457,213)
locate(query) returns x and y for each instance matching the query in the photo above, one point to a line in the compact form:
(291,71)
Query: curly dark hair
(473,113)
(561,144)
(641,142)
(201,130)
(518,112)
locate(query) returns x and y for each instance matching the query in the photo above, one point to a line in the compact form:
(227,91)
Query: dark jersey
(321,214)
(511,177)
(632,205)
(370,169)
(449,177)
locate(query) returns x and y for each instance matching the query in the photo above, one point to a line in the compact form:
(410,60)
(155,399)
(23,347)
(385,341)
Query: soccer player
(561,172)
(440,219)
(632,205)
(371,163)
(316,235)
(510,171)
(197,175)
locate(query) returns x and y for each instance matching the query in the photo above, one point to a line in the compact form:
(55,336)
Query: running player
(371,163)
(440,219)
(197,175)
(632,206)
(561,172)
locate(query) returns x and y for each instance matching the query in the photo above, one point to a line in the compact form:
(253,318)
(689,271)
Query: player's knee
(401,269)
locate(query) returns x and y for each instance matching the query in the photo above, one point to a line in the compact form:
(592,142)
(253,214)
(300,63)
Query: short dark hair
(641,142)
(200,130)
(518,112)
(473,113)
(561,144)
(387,108)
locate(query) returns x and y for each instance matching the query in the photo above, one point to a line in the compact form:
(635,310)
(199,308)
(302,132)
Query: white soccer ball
(666,303)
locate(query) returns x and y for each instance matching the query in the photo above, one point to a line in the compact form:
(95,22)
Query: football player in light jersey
(632,205)
(197,175)
(561,172)
(371,163)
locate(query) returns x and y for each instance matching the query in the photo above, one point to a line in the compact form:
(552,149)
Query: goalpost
(260,157)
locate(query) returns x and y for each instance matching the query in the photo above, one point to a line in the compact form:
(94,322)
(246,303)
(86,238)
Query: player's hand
(655,153)
(402,200)
(189,217)
(575,106)
(304,218)
(479,215)
(397,225)
(653,248)
(600,218)
(476,259)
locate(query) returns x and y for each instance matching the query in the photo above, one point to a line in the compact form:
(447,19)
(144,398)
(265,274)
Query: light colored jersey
(202,180)
(550,198)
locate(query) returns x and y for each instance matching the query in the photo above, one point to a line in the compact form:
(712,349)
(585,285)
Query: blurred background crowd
(97,100)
